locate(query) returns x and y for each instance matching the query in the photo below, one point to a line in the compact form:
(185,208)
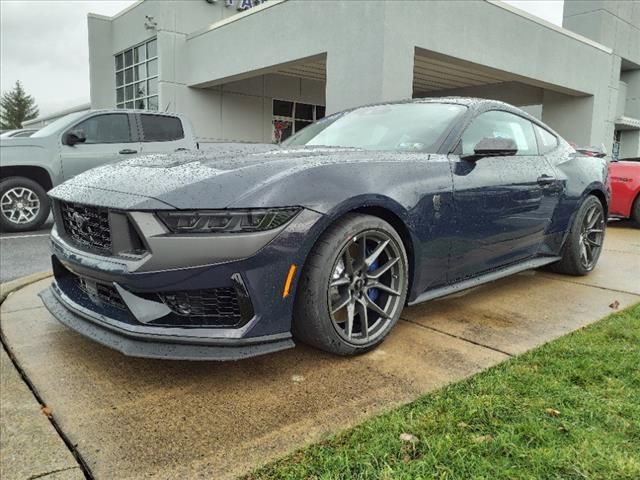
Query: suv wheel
(353,286)
(24,204)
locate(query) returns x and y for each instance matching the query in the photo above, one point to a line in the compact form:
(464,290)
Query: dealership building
(242,70)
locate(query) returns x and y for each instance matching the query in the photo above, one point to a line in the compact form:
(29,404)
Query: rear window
(161,128)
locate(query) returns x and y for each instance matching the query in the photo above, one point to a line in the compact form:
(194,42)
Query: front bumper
(266,329)
(147,345)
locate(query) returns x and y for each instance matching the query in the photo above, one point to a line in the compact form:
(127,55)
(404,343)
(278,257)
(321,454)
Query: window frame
(458,148)
(292,119)
(133,132)
(158,114)
(539,139)
(124,104)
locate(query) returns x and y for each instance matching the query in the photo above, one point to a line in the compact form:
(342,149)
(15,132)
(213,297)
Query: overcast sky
(44,45)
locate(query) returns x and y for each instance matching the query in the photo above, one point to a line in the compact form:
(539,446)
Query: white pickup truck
(29,167)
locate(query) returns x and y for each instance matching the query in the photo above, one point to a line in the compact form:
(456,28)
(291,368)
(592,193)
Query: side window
(161,128)
(548,141)
(497,124)
(110,128)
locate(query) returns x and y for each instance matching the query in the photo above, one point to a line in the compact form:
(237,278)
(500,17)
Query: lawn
(567,410)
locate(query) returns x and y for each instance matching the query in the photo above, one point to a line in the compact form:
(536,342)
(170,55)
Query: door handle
(127,151)
(545,180)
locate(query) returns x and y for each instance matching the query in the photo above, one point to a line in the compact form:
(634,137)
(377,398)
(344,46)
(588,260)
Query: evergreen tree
(16,107)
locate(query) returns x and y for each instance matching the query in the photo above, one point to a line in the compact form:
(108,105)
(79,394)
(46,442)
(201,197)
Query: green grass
(504,423)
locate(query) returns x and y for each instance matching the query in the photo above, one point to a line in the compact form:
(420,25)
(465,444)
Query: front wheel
(583,245)
(353,286)
(24,204)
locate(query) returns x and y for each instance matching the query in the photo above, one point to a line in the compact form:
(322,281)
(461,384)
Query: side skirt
(482,279)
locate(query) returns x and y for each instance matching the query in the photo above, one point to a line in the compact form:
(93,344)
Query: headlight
(227,221)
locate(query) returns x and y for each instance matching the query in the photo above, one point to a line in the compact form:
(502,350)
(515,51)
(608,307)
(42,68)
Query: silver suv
(29,167)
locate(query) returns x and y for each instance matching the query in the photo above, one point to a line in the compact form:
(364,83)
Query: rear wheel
(353,287)
(24,204)
(583,245)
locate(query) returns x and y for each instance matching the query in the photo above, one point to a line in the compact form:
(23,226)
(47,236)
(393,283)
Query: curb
(8,288)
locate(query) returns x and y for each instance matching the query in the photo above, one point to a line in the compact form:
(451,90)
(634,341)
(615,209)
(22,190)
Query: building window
(615,150)
(137,77)
(291,117)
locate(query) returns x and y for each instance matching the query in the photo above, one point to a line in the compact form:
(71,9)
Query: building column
(360,76)
(580,120)
(102,73)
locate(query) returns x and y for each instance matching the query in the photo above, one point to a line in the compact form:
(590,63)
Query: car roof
(131,110)
(466,101)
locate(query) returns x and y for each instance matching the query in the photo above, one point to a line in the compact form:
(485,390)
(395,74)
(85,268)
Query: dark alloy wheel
(365,287)
(591,236)
(24,204)
(353,287)
(584,242)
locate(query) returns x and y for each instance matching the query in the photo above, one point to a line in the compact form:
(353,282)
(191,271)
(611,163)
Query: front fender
(36,156)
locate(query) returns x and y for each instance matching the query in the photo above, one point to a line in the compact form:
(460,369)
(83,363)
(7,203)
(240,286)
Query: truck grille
(87,226)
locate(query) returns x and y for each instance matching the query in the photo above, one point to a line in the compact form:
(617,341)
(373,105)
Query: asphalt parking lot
(135,418)
(24,253)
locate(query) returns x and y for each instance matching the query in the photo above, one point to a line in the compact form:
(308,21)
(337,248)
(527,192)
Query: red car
(625,189)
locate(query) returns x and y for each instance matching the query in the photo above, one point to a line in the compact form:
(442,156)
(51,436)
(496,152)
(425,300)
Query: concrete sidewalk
(30,446)
(136,418)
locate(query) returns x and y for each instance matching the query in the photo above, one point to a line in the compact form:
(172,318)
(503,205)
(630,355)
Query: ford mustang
(625,189)
(240,250)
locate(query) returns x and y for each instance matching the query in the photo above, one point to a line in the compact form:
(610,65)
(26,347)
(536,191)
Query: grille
(219,307)
(101,293)
(216,302)
(87,226)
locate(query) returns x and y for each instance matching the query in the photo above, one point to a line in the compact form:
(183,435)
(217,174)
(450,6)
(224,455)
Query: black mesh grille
(87,226)
(101,293)
(216,306)
(227,307)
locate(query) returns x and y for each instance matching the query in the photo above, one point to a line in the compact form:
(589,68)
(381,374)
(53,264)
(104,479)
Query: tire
(635,211)
(581,250)
(376,292)
(24,205)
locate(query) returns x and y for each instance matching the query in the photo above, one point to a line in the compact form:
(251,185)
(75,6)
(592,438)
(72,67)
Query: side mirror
(74,136)
(495,147)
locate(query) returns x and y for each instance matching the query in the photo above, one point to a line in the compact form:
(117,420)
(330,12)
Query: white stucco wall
(218,68)
(240,110)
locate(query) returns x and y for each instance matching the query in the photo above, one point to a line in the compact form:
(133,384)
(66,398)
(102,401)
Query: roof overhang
(627,123)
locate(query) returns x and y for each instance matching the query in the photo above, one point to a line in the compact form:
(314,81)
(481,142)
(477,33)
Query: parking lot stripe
(25,236)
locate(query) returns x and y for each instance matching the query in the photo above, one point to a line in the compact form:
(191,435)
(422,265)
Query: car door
(502,203)
(161,133)
(109,137)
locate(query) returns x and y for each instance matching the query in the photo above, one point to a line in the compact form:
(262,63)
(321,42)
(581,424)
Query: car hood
(214,178)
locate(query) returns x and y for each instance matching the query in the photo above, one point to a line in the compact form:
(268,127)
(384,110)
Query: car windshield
(59,124)
(403,126)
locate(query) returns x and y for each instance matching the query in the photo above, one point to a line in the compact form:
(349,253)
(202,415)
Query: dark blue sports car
(238,251)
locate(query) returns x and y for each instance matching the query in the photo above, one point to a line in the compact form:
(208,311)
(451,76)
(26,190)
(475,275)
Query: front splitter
(154,346)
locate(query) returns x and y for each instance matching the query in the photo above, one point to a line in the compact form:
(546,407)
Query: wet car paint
(625,187)
(458,218)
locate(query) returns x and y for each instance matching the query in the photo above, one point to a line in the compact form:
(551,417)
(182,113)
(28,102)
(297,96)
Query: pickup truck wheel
(24,204)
